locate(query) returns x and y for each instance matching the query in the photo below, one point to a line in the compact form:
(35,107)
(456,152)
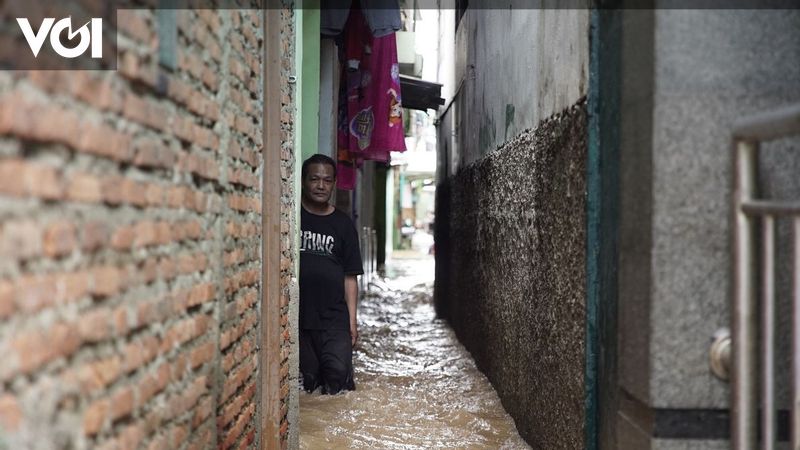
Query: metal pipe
(368,238)
(363,279)
(768,334)
(743,417)
(369,243)
(763,207)
(374,244)
(796,338)
(365,252)
(769,125)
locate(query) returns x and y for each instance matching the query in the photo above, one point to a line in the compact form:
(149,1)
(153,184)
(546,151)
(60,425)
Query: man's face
(318,183)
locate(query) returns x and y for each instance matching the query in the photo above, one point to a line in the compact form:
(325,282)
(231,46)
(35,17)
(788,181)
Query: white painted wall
(512,69)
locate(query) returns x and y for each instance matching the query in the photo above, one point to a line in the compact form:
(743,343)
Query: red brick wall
(130,216)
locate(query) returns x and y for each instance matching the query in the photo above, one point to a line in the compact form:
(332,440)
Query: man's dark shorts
(326,359)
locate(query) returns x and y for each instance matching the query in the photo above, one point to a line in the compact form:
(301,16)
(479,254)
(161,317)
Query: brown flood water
(416,386)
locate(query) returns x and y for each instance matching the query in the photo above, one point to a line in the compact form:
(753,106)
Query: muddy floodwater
(416,386)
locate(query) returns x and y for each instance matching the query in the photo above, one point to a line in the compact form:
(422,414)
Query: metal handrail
(771,208)
(369,256)
(747,134)
(770,125)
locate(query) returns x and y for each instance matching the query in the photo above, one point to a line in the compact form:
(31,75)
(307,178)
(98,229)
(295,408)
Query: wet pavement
(416,386)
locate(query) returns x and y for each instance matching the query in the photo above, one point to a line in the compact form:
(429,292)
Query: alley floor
(416,386)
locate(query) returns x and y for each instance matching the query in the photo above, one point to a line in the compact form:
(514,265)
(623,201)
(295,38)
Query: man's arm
(351,297)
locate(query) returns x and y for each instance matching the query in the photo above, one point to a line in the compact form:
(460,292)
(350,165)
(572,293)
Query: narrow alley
(562,225)
(416,385)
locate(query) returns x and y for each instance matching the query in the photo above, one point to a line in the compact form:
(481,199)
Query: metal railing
(369,256)
(748,210)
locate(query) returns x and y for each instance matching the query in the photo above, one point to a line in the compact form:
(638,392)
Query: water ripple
(417,387)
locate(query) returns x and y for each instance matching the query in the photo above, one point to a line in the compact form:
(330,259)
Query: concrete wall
(687,76)
(524,65)
(510,209)
(511,69)
(510,274)
(288,408)
(130,218)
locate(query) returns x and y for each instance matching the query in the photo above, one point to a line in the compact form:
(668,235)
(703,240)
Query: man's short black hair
(318,159)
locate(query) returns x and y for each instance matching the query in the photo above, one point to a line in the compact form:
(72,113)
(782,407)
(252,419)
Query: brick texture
(130,234)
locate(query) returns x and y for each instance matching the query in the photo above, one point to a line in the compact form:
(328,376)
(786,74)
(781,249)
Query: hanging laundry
(383,16)
(370,121)
(346,171)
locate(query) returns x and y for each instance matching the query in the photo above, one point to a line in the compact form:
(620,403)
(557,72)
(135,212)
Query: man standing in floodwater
(330,262)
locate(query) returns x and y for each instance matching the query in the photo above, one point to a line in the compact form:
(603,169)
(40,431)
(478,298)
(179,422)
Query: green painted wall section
(306,120)
(307,42)
(602,218)
(308,61)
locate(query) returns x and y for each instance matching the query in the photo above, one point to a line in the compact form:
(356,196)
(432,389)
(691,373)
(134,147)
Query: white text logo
(87,37)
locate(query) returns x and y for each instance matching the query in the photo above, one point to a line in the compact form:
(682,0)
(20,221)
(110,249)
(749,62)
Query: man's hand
(353,333)
(351,298)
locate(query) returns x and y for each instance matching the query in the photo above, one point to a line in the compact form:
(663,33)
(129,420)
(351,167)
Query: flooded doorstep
(416,386)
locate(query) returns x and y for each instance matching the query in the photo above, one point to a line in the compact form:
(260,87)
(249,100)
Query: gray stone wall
(687,77)
(702,87)
(510,275)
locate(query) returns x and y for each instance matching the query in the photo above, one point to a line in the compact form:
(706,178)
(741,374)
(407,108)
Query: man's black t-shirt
(328,251)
